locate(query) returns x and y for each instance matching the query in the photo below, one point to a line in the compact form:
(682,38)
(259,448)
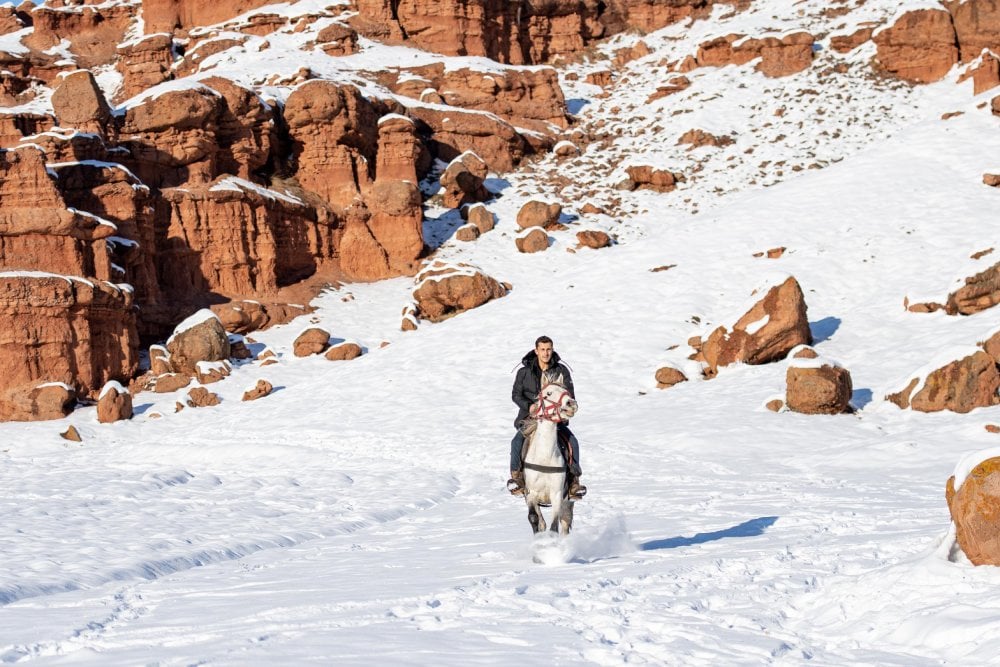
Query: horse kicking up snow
(544,466)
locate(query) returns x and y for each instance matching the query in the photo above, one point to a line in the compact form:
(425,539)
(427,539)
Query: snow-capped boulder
(645,177)
(444,290)
(973,495)
(774,325)
(462,181)
(207,372)
(243,317)
(535,240)
(968,382)
(201,337)
(159,360)
(114,403)
(78,102)
(49,400)
(538,214)
(344,351)
(816,386)
(311,341)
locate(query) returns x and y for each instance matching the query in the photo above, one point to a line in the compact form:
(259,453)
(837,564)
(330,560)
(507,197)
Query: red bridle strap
(548,410)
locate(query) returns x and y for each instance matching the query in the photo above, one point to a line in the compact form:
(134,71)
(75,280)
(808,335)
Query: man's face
(544,352)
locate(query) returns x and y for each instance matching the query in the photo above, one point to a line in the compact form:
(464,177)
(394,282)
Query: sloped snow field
(358,514)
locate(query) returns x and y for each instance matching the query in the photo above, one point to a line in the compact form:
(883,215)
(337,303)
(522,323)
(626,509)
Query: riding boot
(576,490)
(516,483)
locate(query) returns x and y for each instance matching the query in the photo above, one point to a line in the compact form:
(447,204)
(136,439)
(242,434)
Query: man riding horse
(527,386)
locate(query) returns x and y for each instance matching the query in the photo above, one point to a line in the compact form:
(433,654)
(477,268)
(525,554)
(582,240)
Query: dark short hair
(542,339)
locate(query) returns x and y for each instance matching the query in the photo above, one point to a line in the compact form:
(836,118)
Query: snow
(969,462)
(240,184)
(113,385)
(44,274)
(358,515)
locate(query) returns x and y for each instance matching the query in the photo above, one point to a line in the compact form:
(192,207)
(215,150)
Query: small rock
(71,434)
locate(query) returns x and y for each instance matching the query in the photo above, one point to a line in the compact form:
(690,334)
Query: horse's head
(554,402)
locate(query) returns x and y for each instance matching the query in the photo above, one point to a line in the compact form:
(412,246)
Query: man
(527,387)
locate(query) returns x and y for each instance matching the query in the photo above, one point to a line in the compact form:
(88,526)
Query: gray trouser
(518,442)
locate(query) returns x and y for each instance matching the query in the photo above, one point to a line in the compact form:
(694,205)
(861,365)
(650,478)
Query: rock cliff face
(182,15)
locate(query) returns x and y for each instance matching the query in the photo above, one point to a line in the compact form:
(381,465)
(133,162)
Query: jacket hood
(531,359)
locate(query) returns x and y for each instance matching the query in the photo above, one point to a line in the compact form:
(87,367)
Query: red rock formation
(975,510)
(467,232)
(453,132)
(445,290)
(210,44)
(10,21)
(15,127)
(977,26)
(920,47)
(245,132)
(775,325)
(401,156)
(480,216)
(62,329)
(199,397)
(529,98)
(960,386)
(980,292)
(144,64)
(338,40)
(242,317)
(79,103)
(182,15)
(38,403)
(255,241)
(779,57)
(93,33)
(847,43)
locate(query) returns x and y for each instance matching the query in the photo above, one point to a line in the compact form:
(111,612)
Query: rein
(550,412)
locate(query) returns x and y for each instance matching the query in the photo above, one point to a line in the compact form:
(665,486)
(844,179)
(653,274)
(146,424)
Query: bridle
(548,409)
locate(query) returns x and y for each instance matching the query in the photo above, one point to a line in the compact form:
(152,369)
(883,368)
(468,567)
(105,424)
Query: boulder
(480,216)
(779,57)
(260,390)
(847,43)
(201,337)
(538,214)
(696,138)
(468,232)
(208,372)
(975,511)
(980,292)
(644,177)
(668,376)
(144,63)
(243,317)
(444,290)
(71,434)
(591,238)
(79,103)
(535,240)
(992,346)
(343,351)
(815,386)
(49,400)
(311,341)
(960,386)
(773,326)
(114,404)
(462,181)
(985,75)
(159,360)
(171,382)
(199,397)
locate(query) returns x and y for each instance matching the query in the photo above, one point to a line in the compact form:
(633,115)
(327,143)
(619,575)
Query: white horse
(544,465)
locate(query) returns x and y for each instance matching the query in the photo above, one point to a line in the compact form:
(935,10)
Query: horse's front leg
(566,518)
(535,518)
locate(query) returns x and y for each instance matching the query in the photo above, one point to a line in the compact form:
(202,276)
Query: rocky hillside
(160,157)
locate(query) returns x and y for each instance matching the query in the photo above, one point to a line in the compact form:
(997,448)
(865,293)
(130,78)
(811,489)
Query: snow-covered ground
(358,514)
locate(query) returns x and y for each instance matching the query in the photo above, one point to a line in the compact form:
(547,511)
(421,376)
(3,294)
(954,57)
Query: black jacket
(528,382)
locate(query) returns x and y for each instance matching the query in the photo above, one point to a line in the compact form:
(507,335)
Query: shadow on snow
(750,528)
